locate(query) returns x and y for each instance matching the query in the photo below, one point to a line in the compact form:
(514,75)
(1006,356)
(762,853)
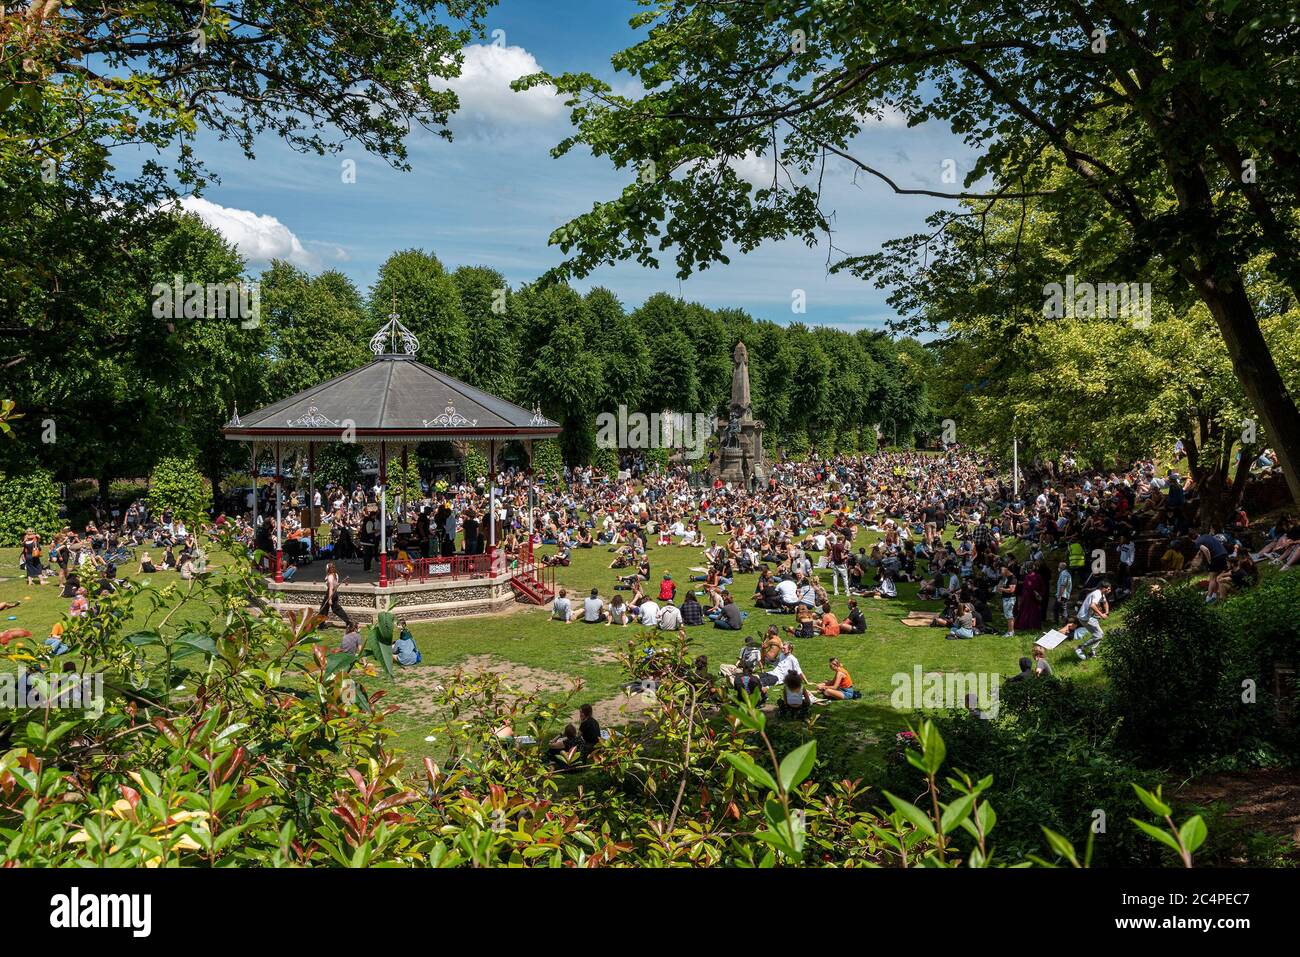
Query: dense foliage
(176,484)
(241,738)
(1189,682)
(28,499)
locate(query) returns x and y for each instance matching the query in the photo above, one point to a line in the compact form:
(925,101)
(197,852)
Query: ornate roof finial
(394,339)
(234,421)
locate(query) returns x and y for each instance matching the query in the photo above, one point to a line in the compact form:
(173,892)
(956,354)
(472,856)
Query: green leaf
(1061,845)
(797,765)
(914,815)
(933,750)
(1158,834)
(956,812)
(1193,833)
(1153,803)
(746,766)
(339,661)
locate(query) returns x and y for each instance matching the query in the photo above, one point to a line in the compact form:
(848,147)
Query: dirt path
(1266,800)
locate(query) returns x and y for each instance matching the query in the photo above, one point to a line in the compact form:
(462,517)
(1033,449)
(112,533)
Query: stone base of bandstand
(419,601)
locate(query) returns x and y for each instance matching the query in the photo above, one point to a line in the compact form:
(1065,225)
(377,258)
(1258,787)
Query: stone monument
(740,456)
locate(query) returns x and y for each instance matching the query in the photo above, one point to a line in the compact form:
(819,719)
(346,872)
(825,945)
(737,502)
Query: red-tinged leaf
(397,800)
(357,779)
(234,764)
(131,794)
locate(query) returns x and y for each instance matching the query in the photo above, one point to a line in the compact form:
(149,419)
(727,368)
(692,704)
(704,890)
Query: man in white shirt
(786,591)
(784,665)
(1094,608)
(649,612)
(562,608)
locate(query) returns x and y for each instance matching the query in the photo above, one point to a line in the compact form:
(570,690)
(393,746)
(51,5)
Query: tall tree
(1207,177)
(485,304)
(414,285)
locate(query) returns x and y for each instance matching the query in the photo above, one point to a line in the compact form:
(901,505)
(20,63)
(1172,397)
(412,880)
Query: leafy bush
(237,738)
(28,499)
(336,462)
(1167,677)
(475,464)
(177,484)
(1264,633)
(1050,750)
(547,458)
(796,445)
(606,460)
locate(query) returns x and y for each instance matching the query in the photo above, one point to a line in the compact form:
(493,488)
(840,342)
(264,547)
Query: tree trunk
(1258,373)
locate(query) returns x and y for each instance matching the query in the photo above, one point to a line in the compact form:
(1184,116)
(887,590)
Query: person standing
(32,557)
(331,601)
(1064,588)
(1007,591)
(369,539)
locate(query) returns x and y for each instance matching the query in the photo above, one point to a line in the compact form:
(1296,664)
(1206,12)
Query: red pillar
(279,521)
(383,518)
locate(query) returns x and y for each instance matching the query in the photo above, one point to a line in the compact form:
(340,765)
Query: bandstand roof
(392,400)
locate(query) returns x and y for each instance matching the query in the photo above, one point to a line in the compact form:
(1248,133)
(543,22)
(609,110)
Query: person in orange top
(828,624)
(841,686)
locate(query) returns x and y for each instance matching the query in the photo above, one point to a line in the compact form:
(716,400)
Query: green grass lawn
(543,654)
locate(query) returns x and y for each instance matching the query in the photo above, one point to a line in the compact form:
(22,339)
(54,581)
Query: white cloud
(486,100)
(753,168)
(884,114)
(259,239)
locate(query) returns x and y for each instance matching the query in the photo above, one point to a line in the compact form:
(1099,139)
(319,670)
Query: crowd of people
(946,522)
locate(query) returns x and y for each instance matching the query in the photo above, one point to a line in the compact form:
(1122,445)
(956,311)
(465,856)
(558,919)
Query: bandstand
(389,406)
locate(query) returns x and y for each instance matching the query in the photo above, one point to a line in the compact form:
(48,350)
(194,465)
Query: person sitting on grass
(795,701)
(747,683)
(563,750)
(351,644)
(730,617)
(405,651)
(692,612)
(854,623)
(593,609)
(828,625)
(840,687)
(964,625)
(670,618)
(562,607)
(588,729)
(805,624)
(618,612)
(147,567)
(886,588)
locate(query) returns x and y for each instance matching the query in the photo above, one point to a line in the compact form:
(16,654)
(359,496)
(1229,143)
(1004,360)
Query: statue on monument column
(731,439)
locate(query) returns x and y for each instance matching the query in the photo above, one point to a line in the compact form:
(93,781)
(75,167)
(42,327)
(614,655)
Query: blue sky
(493,196)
